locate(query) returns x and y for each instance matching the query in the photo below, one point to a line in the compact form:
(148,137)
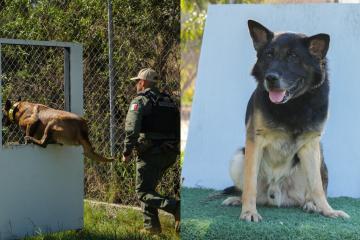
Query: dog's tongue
(277,96)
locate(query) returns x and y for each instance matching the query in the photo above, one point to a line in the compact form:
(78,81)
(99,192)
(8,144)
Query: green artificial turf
(208,219)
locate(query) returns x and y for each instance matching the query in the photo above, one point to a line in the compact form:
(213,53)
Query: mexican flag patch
(134,107)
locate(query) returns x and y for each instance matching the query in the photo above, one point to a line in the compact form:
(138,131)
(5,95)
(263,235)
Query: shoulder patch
(134,107)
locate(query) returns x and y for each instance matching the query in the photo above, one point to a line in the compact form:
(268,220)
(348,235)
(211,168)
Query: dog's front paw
(335,214)
(250,216)
(232,201)
(27,139)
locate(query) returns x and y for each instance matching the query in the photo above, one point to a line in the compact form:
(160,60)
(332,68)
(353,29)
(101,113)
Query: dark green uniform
(156,142)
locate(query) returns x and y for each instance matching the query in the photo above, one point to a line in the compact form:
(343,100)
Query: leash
(12,111)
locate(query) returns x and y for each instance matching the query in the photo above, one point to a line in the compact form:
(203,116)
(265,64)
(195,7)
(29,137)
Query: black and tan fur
(43,125)
(282,163)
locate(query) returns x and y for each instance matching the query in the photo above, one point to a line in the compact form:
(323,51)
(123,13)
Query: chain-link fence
(146,34)
(34,73)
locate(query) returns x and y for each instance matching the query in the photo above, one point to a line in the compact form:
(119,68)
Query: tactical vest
(164,117)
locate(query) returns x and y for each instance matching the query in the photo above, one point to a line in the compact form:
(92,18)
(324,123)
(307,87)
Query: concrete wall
(41,190)
(224,86)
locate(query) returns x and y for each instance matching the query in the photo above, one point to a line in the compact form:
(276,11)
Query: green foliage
(102,223)
(187,96)
(193,19)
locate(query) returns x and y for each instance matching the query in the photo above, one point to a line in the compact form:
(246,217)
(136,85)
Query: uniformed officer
(153,130)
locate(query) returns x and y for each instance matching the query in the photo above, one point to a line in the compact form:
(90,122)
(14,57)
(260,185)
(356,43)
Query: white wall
(349,1)
(224,86)
(41,190)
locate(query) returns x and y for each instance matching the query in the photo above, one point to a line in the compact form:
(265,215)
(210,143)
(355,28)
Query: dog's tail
(89,150)
(90,153)
(229,191)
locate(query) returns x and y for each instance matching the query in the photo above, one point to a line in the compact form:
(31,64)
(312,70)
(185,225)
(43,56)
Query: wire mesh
(32,73)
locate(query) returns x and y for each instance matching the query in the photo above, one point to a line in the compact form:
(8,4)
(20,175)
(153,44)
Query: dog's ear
(7,105)
(318,45)
(259,34)
(19,99)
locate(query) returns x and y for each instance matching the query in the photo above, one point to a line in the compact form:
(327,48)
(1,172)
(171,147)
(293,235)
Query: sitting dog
(44,125)
(282,163)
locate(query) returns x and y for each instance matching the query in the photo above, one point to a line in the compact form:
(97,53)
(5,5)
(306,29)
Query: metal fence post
(67,89)
(111,80)
(1,95)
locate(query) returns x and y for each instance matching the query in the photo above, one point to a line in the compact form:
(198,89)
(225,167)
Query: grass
(202,219)
(111,223)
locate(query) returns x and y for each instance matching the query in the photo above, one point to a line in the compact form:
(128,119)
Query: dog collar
(12,111)
(323,77)
(319,84)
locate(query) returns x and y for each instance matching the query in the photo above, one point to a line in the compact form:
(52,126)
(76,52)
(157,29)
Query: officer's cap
(147,74)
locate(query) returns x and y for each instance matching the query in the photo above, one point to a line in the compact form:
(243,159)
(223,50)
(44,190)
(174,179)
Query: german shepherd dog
(282,163)
(44,125)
